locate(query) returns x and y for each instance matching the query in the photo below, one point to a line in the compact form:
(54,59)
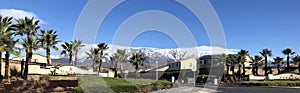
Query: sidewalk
(186,89)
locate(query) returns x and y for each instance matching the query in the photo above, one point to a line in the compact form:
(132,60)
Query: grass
(271,83)
(96,84)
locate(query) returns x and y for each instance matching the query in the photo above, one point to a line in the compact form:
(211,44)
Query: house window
(178,64)
(202,62)
(171,65)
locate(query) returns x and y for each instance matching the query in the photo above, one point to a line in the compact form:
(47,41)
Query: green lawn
(96,84)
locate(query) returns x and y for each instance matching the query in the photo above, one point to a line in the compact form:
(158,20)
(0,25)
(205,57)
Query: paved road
(188,89)
(257,90)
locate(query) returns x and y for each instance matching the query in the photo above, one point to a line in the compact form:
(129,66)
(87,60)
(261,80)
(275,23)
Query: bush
(271,83)
(166,84)
(78,89)
(157,86)
(125,88)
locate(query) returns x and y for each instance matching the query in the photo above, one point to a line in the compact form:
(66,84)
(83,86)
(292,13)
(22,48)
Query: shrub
(78,89)
(166,84)
(157,86)
(125,88)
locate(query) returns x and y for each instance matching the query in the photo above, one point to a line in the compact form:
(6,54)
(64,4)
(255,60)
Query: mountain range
(162,56)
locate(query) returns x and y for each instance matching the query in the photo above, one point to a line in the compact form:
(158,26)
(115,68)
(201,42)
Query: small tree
(278,61)
(256,62)
(265,53)
(137,60)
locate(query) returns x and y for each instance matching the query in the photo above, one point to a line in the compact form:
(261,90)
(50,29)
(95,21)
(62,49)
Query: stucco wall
(35,57)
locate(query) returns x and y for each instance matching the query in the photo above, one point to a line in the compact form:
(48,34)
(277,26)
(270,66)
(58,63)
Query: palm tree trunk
(137,70)
(288,63)
(48,55)
(232,69)
(121,70)
(0,64)
(70,58)
(116,70)
(99,68)
(76,57)
(244,69)
(278,68)
(266,66)
(28,60)
(239,71)
(6,64)
(256,70)
(227,69)
(253,70)
(22,68)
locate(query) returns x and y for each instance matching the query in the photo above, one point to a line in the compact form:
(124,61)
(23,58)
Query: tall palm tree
(256,60)
(118,59)
(5,26)
(77,44)
(68,50)
(288,52)
(278,61)
(48,39)
(296,59)
(242,59)
(137,60)
(94,55)
(102,47)
(27,27)
(265,53)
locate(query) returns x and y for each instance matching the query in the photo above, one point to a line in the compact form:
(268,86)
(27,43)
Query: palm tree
(296,59)
(9,48)
(102,47)
(228,62)
(48,39)
(265,53)
(94,55)
(288,52)
(256,60)
(137,60)
(77,45)
(5,26)
(278,61)
(118,58)
(234,60)
(242,59)
(27,27)
(68,50)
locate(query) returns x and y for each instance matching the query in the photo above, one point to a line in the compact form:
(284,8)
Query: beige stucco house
(36,58)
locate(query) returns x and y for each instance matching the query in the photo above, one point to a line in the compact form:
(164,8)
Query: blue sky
(248,24)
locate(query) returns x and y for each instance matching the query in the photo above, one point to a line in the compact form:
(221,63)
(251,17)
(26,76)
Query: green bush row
(271,83)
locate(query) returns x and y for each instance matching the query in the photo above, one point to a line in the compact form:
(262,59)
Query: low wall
(290,76)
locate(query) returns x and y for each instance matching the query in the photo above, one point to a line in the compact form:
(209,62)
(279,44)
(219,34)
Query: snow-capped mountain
(153,54)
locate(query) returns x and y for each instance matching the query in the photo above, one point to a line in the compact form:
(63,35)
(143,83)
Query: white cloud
(19,14)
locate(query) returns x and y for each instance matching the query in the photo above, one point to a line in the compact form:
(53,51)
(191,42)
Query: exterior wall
(64,70)
(35,58)
(188,63)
